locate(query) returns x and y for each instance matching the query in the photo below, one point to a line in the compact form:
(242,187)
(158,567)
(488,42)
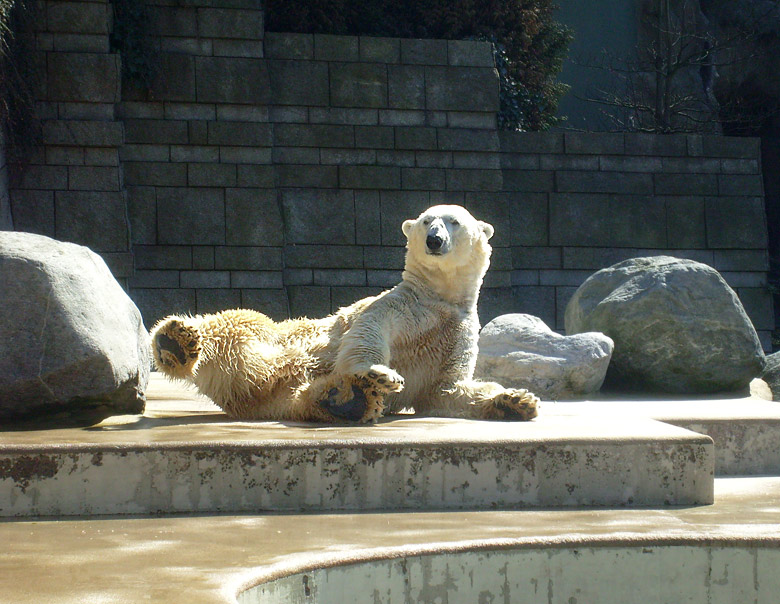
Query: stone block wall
(72,188)
(259,178)
(273,171)
(584,201)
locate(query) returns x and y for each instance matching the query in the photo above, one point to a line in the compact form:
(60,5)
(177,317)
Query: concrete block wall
(72,188)
(260,179)
(273,171)
(584,201)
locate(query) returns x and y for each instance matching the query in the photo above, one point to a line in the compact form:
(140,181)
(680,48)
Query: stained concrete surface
(210,558)
(180,456)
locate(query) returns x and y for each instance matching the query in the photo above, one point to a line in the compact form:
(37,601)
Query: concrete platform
(722,553)
(183,455)
(745,429)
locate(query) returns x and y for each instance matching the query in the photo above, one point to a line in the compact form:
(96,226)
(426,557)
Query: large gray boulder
(70,338)
(677,326)
(521,351)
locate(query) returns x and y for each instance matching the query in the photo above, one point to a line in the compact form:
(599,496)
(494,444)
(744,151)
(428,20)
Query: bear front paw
(176,347)
(381,380)
(512,404)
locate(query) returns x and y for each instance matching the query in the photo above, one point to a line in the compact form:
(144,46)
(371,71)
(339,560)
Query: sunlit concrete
(183,456)
(210,559)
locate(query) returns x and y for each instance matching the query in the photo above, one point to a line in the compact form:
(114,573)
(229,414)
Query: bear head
(448,238)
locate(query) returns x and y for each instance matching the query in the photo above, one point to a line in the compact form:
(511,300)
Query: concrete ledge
(589,572)
(184,457)
(400,464)
(745,429)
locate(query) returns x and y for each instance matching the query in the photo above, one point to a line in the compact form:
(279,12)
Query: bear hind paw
(513,405)
(353,402)
(176,347)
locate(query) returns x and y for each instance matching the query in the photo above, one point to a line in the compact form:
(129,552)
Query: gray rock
(771,374)
(677,326)
(70,338)
(520,351)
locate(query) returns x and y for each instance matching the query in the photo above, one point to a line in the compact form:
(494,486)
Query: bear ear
(406,227)
(486,228)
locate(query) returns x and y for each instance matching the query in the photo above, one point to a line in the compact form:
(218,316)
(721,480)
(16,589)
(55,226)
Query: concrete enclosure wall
(654,573)
(273,171)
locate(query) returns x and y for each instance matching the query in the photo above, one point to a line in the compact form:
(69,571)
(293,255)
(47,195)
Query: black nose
(434,242)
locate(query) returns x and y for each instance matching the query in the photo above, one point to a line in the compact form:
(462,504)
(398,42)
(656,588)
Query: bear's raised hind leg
(176,347)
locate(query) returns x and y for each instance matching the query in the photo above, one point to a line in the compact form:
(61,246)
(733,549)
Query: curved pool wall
(694,573)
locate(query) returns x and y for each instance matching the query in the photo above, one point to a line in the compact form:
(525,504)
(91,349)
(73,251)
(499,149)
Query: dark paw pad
(170,345)
(351,410)
(510,412)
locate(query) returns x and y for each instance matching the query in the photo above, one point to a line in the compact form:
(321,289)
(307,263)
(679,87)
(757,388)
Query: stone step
(183,456)
(745,429)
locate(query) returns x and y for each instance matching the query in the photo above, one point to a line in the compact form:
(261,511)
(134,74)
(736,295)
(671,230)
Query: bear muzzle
(437,241)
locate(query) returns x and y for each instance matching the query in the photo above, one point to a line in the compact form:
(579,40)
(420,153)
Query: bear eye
(454,222)
(426,221)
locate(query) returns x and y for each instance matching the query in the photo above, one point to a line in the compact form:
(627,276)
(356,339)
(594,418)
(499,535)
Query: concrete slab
(720,553)
(183,456)
(745,429)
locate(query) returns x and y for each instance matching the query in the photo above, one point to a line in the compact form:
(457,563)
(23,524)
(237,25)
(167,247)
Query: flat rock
(71,340)
(677,326)
(521,351)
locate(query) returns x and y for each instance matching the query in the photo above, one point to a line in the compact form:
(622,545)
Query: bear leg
(481,400)
(176,347)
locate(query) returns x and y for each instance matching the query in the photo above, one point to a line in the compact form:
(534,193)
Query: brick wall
(273,171)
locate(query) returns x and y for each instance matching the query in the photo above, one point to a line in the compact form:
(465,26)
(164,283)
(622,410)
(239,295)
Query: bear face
(448,237)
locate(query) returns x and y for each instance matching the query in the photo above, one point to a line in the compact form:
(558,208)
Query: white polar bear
(413,346)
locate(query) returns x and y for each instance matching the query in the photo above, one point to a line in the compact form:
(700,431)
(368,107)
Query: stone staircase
(278,513)
(184,455)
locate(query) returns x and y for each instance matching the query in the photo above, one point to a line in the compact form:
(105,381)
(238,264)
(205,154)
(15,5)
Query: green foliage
(528,44)
(17,76)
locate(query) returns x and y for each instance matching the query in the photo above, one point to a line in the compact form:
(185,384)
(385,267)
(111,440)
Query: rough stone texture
(677,326)
(70,338)
(771,374)
(521,351)
(239,132)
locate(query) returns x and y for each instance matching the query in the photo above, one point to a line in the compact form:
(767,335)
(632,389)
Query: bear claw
(381,382)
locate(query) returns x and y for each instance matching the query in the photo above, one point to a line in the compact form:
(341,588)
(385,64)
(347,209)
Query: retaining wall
(274,170)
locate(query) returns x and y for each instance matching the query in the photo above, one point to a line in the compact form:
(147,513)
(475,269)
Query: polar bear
(413,346)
